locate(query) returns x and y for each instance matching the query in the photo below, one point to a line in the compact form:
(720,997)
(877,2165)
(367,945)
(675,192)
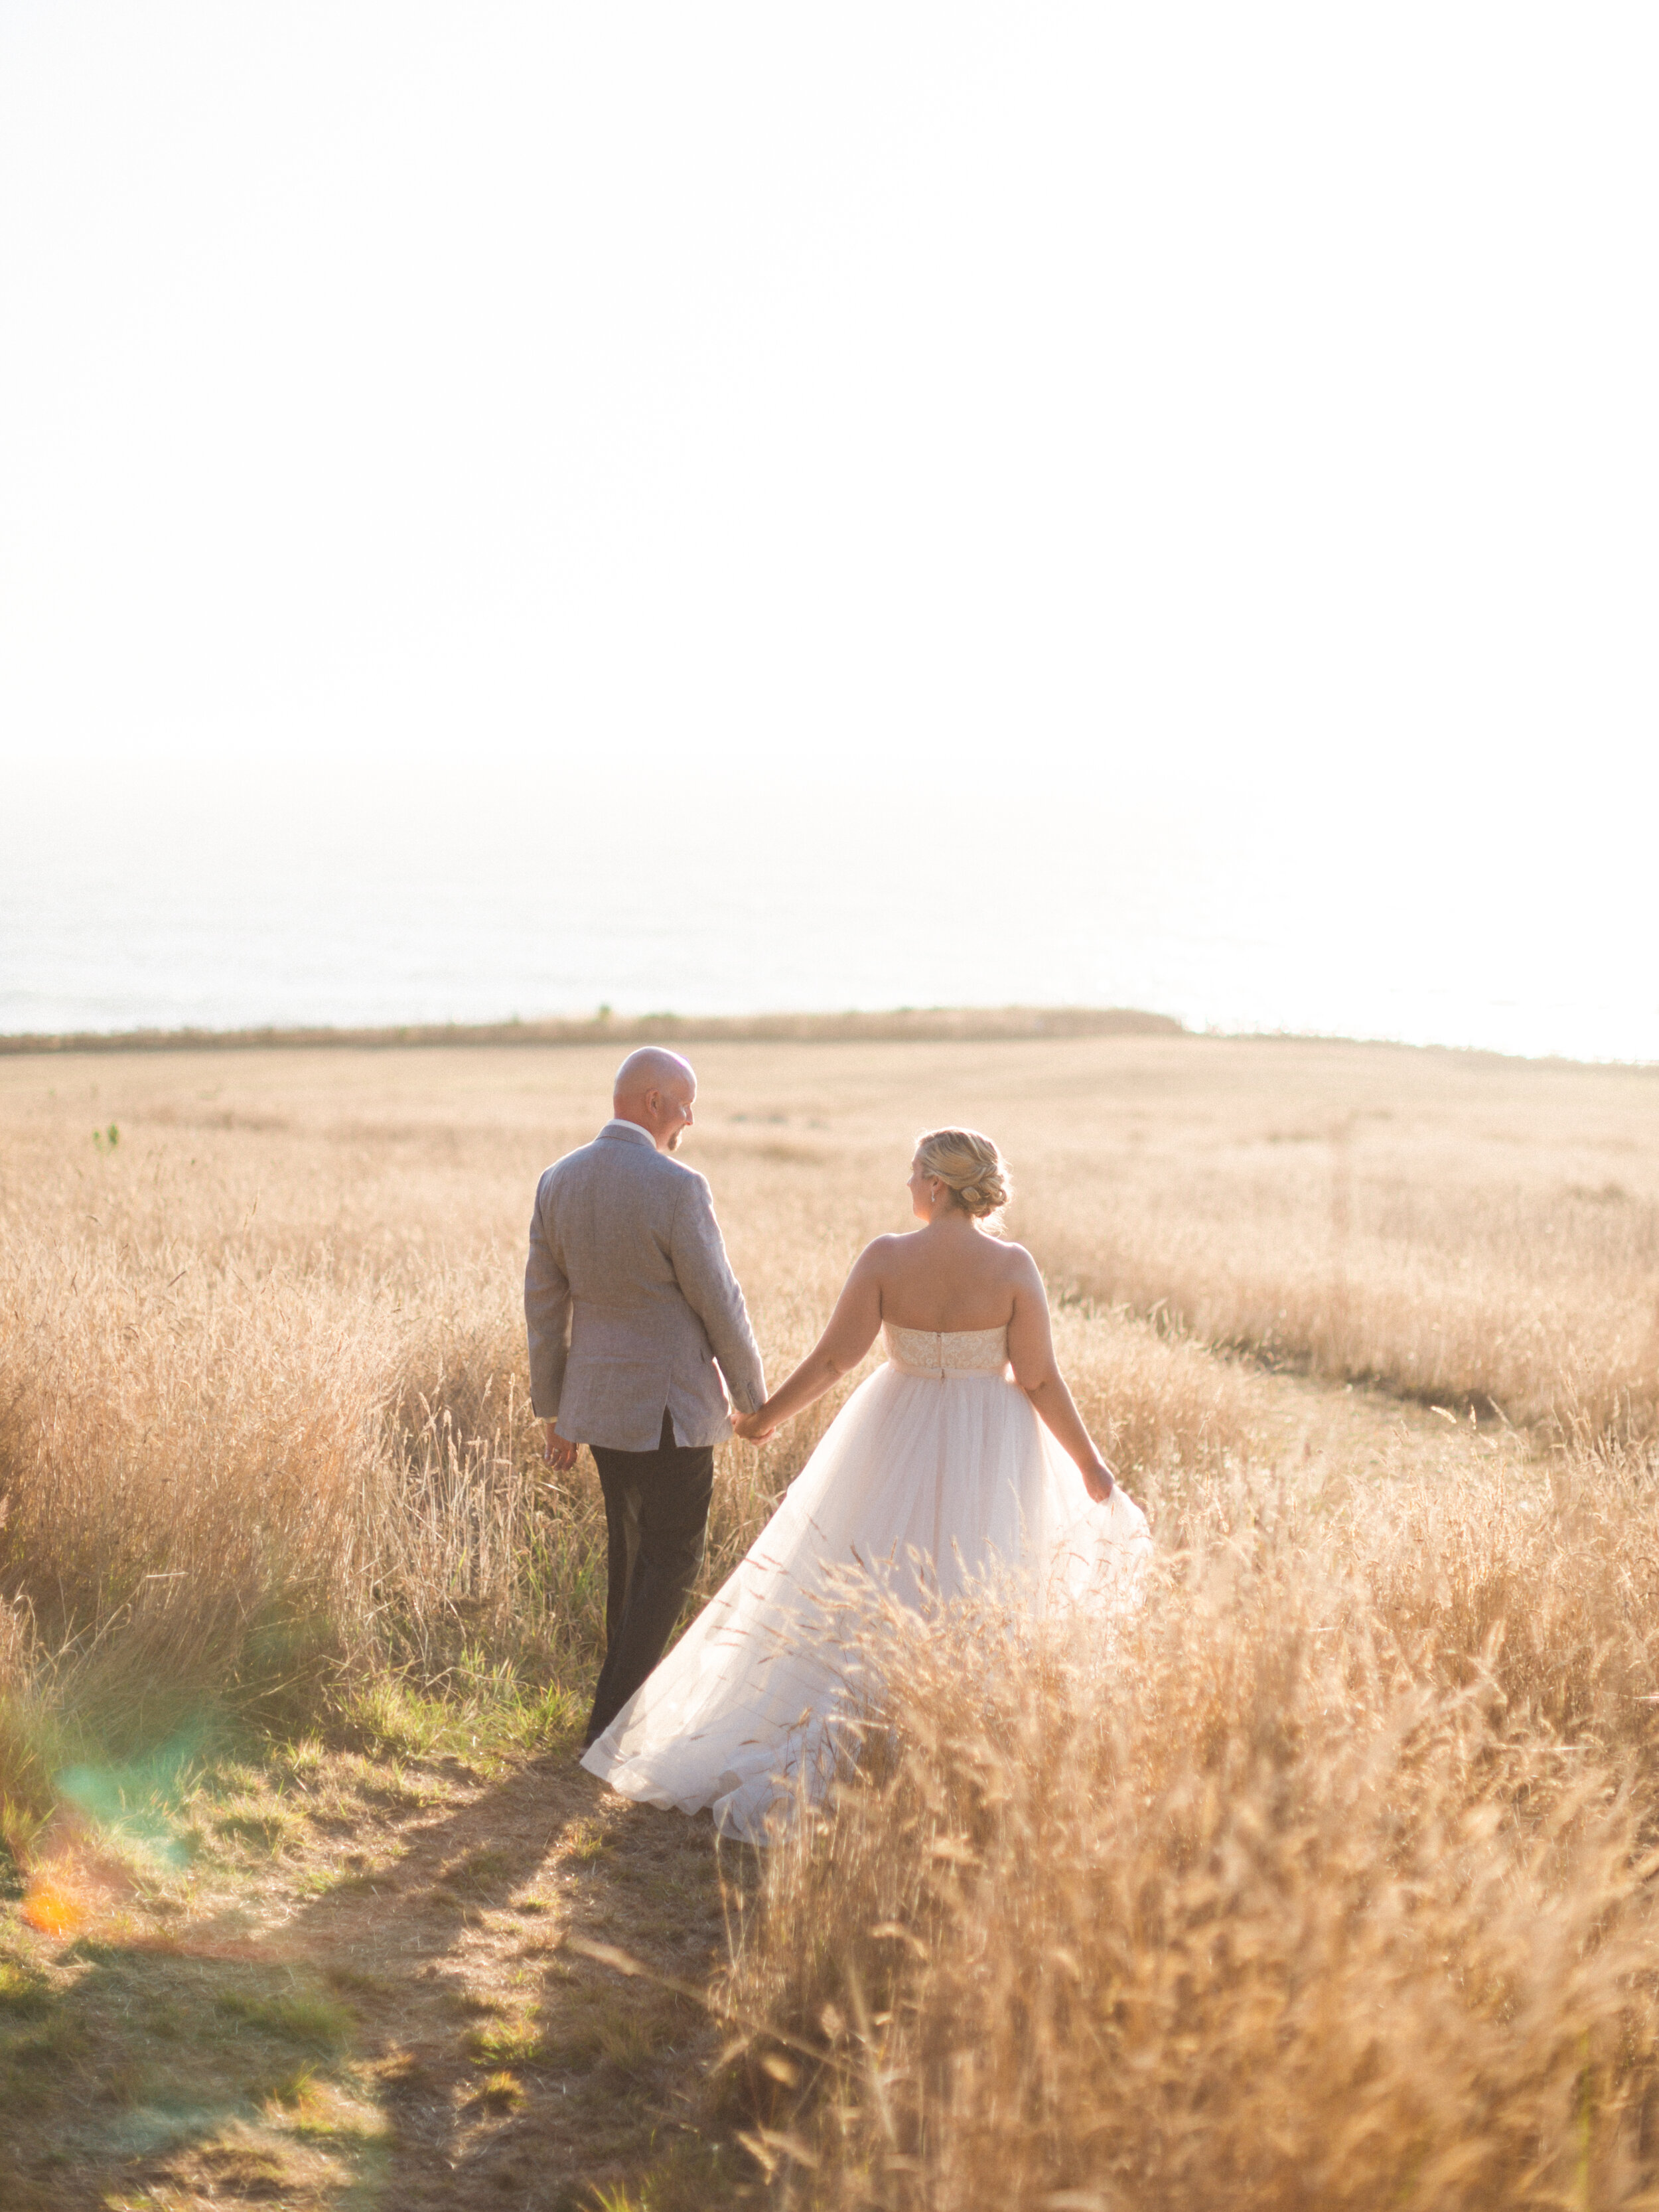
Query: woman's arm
(1031,1350)
(850,1332)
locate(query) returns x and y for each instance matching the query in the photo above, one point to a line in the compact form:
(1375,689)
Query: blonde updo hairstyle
(969,1166)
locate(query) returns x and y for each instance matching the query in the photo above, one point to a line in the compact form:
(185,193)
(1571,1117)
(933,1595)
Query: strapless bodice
(947,1352)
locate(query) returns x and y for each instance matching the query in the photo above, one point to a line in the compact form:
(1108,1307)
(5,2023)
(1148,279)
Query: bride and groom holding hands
(941,1470)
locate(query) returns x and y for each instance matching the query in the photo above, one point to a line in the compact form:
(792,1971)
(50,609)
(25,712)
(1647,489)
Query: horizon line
(959,1025)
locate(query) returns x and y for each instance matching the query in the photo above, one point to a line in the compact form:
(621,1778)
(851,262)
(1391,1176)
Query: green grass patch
(500,2092)
(505,2043)
(312,2020)
(266,1832)
(307,2105)
(478,1712)
(23,1993)
(58,2041)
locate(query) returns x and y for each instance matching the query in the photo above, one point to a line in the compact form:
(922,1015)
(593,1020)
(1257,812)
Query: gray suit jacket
(629,1300)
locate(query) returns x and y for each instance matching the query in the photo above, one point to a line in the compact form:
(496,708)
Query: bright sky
(1044,421)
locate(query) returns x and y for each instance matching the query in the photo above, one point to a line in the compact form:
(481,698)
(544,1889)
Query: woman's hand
(754,1428)
(1099,1480)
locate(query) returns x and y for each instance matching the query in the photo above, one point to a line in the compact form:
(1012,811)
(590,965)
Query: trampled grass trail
(358,1989)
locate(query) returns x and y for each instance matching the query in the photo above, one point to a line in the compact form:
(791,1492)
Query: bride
(935,1475)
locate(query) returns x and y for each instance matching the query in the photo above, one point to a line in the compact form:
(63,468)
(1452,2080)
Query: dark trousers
(656,1516)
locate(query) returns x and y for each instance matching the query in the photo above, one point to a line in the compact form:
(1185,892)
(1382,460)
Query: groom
(628,1302)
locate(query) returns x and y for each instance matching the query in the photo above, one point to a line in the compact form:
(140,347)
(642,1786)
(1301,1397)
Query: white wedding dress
(935,1477)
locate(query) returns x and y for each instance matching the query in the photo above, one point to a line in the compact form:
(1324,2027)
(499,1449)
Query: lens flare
(52,1908)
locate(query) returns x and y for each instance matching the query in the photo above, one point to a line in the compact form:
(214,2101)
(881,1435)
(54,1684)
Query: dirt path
(362,1993)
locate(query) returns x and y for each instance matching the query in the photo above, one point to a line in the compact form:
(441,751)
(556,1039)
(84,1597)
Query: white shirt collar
(630,1132)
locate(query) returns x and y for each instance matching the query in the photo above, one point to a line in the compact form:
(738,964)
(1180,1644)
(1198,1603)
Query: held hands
(558,1452)
(754,1428)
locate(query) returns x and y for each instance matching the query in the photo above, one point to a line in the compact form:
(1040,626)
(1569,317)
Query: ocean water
(291,897)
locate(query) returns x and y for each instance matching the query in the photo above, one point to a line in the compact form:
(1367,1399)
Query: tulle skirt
(924,1489)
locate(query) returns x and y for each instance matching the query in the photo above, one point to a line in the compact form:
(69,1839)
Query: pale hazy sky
(1062,421)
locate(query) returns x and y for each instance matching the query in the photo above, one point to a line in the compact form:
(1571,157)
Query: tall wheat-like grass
(267,1481)
(1446,1225)
(263,1422)
(1327,1883)
(1543,1308)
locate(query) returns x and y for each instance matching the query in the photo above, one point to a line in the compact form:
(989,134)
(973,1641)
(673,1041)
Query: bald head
(649,1069)
(654,1088)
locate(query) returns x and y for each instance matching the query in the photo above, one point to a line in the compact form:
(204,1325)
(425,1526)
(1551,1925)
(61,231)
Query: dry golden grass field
(1327,1883)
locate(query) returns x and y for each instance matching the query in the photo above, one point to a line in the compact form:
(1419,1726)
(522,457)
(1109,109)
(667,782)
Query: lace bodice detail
(948,1351)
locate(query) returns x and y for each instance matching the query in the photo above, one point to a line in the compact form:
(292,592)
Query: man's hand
(558,1451)
(753,1428)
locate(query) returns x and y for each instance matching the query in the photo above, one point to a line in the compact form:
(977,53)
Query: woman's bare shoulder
(879,1251)
(1020,1267)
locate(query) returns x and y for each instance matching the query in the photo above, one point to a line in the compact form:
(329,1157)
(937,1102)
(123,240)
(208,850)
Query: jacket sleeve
(546,1314)
(710,1289)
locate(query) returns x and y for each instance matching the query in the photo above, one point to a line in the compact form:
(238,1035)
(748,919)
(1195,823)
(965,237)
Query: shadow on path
(412,2033)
